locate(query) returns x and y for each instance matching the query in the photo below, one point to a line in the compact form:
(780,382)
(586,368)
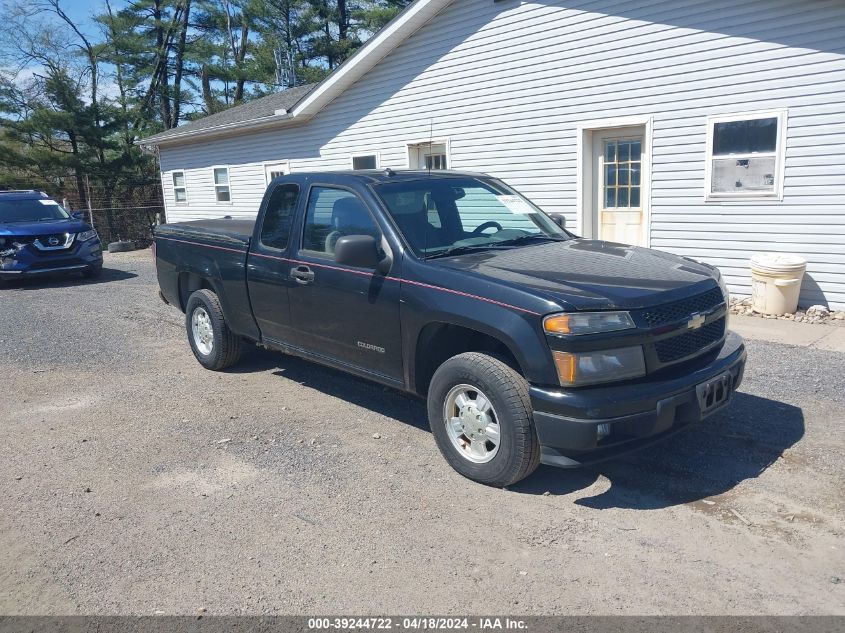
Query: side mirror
(77,215)
(357,250)
(559,219)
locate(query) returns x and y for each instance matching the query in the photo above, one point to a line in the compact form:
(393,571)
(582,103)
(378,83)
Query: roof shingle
(249,111)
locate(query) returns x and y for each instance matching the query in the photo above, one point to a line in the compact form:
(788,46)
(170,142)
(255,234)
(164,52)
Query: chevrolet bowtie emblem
(696,320)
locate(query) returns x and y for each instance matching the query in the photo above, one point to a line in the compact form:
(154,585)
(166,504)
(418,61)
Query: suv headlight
(575,369)
(86,235)
(576,323)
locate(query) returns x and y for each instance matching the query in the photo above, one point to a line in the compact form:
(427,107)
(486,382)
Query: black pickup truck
(530,344)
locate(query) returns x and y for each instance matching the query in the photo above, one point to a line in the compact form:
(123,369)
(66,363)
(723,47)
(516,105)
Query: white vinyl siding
(513,111)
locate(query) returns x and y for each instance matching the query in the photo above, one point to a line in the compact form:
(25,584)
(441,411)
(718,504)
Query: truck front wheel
(481,417)
(212,342)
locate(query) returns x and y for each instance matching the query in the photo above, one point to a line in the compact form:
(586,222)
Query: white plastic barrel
(776,282)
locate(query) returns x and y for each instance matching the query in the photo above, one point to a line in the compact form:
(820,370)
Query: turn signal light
(589,368)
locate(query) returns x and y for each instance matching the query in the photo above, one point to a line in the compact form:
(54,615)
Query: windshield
(40,210)
(444,216)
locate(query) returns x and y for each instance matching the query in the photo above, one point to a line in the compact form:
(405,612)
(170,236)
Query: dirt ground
(132,481)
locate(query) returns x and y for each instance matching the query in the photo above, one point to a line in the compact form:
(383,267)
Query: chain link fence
(129,215)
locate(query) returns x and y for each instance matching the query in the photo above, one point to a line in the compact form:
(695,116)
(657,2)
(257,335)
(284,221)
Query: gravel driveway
(132,481)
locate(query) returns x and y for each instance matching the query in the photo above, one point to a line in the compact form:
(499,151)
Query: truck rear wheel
(212,342)
(481,417)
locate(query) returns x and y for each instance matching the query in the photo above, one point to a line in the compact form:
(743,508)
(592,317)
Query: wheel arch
(438,341)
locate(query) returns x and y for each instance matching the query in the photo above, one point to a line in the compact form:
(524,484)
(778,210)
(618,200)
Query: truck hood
(32,229)
(590,274)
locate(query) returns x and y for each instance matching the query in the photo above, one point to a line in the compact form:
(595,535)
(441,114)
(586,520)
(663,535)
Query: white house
(710,129)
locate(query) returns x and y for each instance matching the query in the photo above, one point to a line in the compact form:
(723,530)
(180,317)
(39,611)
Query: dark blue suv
(38,237)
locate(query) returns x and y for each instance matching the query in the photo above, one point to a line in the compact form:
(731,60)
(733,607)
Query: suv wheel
(212,342)
(481,417)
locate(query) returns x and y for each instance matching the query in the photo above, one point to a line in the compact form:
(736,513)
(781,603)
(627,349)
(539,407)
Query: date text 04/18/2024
(416,623)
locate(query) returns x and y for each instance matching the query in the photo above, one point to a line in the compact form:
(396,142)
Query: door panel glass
(622,166)
(622,197)
(636,150)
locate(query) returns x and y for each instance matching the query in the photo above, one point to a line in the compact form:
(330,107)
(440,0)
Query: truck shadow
(363,393)
(66,281)
(706,460)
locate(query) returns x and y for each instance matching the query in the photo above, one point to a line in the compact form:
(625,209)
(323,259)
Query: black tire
(518,454)
(93,273)
(123,246)
(226,346)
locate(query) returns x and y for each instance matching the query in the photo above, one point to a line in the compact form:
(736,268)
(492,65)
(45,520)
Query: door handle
(302,275)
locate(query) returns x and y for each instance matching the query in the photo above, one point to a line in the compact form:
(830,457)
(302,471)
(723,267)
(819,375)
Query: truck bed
(214,252)
(220,230)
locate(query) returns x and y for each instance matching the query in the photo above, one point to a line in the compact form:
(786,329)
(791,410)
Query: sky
(81,11)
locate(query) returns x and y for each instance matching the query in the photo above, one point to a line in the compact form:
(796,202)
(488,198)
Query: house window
(435,161)
(432,155)
(180,192)
(745,156)
(221,184)
(366,161)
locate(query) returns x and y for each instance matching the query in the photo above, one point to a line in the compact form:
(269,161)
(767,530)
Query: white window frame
(184,187)
(780,151)
(270,164)
(352,158)
(416,145)
(228,184)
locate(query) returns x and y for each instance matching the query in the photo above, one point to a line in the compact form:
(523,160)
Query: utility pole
(90,210)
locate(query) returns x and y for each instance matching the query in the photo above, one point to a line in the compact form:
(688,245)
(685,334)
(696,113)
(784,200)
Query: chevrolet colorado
(530,344)
(38,237)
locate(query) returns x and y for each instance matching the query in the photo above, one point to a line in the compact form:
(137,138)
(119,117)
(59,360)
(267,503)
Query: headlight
(575,323)
(86,235)
(588,368)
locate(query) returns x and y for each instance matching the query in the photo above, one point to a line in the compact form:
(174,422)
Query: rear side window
(275,232)
(332,214)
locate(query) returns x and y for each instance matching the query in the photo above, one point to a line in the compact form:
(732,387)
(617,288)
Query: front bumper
(636,414)
(28,262)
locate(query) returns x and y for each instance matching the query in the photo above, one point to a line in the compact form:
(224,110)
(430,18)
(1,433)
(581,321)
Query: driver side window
(331,214)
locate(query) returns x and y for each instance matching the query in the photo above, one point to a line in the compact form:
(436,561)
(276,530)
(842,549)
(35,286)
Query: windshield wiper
(527,238)
(465,248)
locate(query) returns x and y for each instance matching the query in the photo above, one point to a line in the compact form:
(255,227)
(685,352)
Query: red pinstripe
(358,272)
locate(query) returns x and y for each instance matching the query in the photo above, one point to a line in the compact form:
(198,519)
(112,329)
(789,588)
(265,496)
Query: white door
(274,170)
(618,200)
